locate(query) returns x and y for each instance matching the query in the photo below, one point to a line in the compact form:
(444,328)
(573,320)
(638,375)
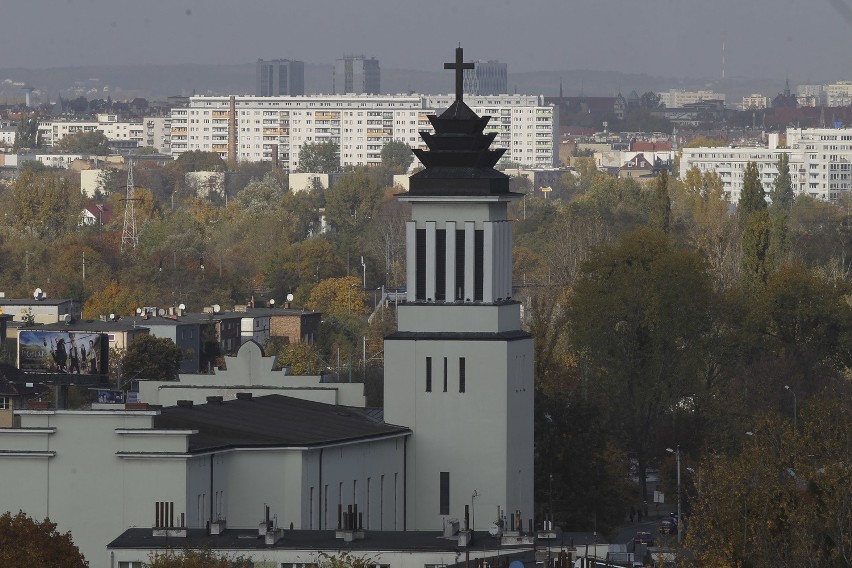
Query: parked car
(668,526)
(645,538)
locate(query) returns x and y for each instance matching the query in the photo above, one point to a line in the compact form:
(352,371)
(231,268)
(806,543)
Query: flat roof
(247,539)
(87,325)
(273,421)
(33,301)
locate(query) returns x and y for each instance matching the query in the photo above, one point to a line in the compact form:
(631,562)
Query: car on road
(645,538)
(668,526)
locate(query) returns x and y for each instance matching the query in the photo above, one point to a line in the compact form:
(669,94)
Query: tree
(114,298)
(45,205)
(784,498)
(637,316)
(650,100)
(94,142)
(319,157)
(782,189)
(25,542)
(351,203)
(151,358)
(752,197)
(196,558)
(397,156)
(756,261)
(662,209)
(26,134)
(339,296)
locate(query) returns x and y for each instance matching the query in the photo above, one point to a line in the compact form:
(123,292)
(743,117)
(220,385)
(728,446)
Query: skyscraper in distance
(280,77)
(486,78)
(357,75)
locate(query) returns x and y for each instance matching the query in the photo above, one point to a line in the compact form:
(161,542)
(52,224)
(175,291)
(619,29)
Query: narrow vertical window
(428,374)
(462,371)
(445,374)
(478,264)
(440,265)
(460,264)
(420,259)
(445,493)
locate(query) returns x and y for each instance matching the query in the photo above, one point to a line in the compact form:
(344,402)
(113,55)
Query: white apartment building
(839,94)
(755,101)
(820,162)
(150,131)
(360,124)
(815,93)
(676,98)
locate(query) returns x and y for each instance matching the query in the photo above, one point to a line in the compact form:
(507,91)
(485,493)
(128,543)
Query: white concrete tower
(459,370)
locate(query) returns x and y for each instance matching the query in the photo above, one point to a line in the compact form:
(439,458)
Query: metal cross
(459,66)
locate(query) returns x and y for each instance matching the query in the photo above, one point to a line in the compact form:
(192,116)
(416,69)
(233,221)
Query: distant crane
(129,236)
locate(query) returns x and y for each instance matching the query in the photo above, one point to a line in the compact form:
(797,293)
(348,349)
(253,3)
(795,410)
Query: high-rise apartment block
(280,77)
(357,75)
(820,162)
(359,124)
(486,78)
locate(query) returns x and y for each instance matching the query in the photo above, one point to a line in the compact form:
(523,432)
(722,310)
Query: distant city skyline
(808,40)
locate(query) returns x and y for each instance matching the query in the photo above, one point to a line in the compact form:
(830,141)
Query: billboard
(63,352)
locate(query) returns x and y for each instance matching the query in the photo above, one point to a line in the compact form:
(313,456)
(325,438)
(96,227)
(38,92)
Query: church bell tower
(459,370)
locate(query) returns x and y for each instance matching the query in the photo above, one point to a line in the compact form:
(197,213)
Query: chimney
(164,520)
(184,403)
(349,527)
(214,400)
(232,133)
(242,396)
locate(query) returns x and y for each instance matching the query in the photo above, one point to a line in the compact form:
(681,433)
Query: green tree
(662,209)
(637,317)
(351,203)
(752,197)
(196,558)
(756,261)
(319,157)
(782,189)
(397,156)
(25,542)
(152,359)
(650,100)
(26,134)
(94,142)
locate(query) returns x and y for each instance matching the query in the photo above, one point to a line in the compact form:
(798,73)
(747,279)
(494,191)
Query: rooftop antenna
(129,236)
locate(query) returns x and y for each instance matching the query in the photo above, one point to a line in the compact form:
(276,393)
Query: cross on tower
(459,66)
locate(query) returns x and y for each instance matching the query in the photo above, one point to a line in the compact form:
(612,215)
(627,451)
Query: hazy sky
(809,39)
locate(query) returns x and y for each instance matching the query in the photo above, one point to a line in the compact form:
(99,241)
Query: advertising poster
(64,352)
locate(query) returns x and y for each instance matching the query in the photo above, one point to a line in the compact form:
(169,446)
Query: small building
(185,334)
(42,310)
(13,395)
(637,167)
(95,215)
(298,326)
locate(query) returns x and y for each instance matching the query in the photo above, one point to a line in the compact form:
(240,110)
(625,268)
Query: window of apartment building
(428,374)
(4,403)
(445,374)
(462,372)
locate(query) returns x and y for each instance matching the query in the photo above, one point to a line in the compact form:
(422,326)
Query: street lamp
(787,387)
(676,452)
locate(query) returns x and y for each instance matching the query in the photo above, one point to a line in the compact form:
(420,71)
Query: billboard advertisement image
(70,352)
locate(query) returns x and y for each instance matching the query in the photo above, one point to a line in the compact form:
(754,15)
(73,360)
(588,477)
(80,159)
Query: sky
(809,40)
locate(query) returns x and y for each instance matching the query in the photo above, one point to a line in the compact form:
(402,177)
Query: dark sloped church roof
(272,421)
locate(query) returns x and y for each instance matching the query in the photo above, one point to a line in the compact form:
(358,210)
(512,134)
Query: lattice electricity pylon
(129,236)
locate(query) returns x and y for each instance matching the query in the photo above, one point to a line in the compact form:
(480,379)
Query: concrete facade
(359,125)
(820,162)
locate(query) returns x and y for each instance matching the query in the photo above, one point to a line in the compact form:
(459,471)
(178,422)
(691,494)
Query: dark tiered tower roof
(459,161)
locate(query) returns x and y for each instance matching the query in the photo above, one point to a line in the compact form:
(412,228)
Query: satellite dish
(494,529)
(37,294)
(182,307)
(272,302)
(66,318)
(112,316)
(138,311)
(161,312)
(216,308)
(289,297)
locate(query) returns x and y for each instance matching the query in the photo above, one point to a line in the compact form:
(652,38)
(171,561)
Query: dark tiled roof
(244,539)
(254,312)
(32,301)
(272,421)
